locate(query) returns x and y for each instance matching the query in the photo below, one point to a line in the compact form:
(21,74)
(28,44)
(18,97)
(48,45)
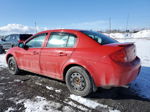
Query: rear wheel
(12,66)
(78,81)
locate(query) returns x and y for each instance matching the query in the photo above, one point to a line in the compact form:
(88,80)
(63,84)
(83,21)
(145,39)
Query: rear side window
(71,41)
(100,38)
(61,40)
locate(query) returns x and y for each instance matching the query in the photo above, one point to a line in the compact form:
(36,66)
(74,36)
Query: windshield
(100,38)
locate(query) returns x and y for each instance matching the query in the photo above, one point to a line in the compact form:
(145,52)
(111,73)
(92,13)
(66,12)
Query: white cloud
(19,28)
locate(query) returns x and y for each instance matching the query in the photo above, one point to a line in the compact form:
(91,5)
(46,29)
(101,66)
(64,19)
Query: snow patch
(51,96)
(140,34)
(38,83)
(1,93)
(142,84)
(90,103)
(49,88)
(118,35)
(17,80)
(3,61)
(40,104)
(2,83)
(67,109)
(4,78)
(75,105)
(58,91)
(10,109)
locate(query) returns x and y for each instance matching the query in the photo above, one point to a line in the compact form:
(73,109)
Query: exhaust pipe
(125,86)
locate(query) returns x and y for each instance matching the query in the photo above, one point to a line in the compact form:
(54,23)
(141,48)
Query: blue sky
(84,14)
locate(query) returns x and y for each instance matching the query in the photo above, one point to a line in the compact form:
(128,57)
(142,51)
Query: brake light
(119,56)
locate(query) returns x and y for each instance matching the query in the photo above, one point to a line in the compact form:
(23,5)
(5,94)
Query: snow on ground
(56,90)
(90,103)
(40,104)
(142,84)
(3,61)
(140,34)
(10,109)
(118,35)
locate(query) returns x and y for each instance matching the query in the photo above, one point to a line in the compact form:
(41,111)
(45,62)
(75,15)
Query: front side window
(100,38)
(37,41)
(61,40)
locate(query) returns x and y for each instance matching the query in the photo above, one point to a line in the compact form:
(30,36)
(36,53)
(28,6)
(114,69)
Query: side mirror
(21,45)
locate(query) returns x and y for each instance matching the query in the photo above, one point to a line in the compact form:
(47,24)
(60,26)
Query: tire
(12,66)
(78,81)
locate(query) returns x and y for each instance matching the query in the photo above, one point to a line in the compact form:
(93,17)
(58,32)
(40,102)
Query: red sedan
(84,59)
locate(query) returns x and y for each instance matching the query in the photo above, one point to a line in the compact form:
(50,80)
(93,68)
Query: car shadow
(120,93)
(27,73)
(115,93)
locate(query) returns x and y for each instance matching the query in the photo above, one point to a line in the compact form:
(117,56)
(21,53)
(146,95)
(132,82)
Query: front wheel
(12,66)
(78,81)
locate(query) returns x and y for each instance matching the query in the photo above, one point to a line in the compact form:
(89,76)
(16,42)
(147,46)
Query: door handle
(35,53)
(62,54)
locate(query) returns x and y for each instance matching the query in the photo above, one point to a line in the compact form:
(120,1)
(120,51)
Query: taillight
(119,56)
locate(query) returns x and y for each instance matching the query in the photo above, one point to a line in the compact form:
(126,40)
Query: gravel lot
(34,93)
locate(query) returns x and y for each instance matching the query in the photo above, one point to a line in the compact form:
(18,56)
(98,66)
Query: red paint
(109,65)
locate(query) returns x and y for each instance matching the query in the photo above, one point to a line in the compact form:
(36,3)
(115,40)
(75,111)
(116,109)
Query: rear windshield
(100,38)
(25,36)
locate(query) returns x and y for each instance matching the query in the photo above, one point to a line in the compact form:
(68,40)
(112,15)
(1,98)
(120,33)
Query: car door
(56,53)
(29,58)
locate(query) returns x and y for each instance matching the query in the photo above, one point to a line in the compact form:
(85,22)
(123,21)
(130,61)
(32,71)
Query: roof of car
(61,30)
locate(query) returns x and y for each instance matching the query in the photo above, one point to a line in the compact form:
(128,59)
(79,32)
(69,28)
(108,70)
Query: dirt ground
(15,88)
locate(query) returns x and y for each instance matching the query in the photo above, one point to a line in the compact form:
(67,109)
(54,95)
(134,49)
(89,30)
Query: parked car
(12,40)
(84,59)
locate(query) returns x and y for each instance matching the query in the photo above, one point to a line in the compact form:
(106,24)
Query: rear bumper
(117,74)
(128,72)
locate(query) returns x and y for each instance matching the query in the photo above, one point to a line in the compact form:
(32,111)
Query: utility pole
(109,24)
(127,23)
(35,27)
